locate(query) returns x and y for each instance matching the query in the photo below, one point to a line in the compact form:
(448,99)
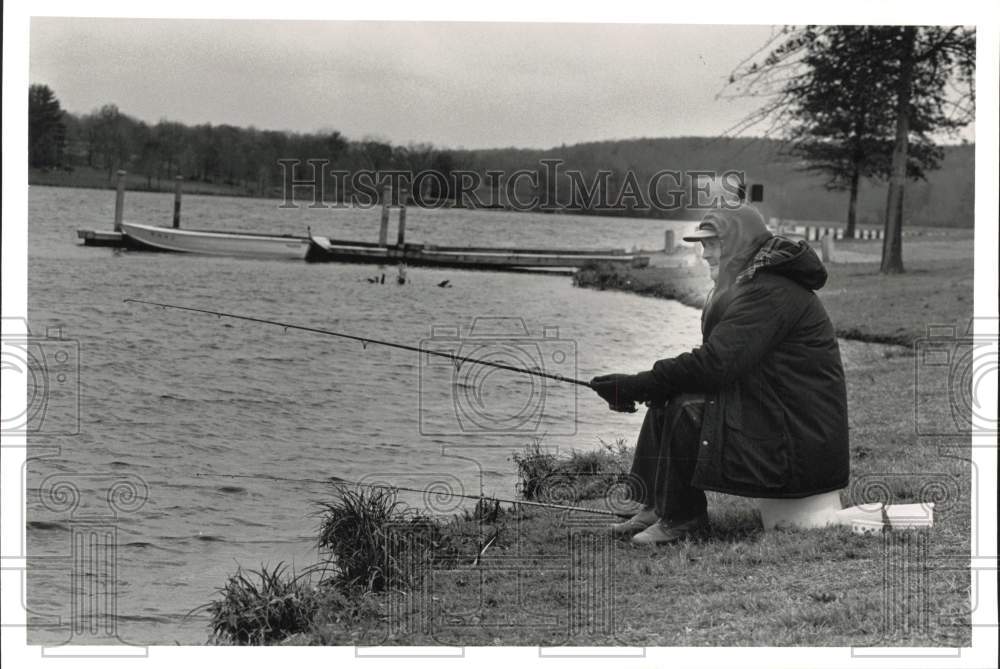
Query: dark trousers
(665,457)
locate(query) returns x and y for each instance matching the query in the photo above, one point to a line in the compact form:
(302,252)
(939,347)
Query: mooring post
(827,247)
(383,231)
(119,200)
(178,180)
(402,218)
(668,241)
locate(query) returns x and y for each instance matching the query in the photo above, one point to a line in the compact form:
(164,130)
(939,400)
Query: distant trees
(46,129)
(170,144)
(244,158)
(864,101)
(374,154)
(605,174)
(113,137)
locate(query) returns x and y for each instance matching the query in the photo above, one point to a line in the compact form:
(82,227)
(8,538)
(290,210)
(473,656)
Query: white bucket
(802,512)
(825,509)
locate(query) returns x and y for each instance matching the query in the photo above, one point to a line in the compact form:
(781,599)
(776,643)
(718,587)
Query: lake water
(170,402)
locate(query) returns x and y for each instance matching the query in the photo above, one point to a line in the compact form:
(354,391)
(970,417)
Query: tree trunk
(852,207)
(892,247)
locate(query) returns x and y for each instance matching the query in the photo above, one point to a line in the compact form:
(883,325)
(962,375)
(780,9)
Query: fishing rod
(336,480)
(367,340)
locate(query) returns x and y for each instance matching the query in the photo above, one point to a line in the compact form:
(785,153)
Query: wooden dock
(102,238)
(322,249)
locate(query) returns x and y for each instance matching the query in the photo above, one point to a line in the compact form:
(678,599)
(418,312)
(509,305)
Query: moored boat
(210,242)
(322,249)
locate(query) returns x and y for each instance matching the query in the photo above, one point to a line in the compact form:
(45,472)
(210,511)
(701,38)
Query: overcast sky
(466,85)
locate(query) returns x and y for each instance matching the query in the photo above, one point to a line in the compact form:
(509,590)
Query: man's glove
(622,391)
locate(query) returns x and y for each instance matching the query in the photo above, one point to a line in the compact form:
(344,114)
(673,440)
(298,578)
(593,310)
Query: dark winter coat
(775,417)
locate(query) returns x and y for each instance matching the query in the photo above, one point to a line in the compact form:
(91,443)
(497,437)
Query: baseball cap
(706,230)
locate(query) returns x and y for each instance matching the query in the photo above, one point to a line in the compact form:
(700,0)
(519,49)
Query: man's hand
(622,391)
(613,389)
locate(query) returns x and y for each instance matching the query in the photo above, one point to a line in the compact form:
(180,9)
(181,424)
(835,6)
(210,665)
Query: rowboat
(323,249)
(211,242)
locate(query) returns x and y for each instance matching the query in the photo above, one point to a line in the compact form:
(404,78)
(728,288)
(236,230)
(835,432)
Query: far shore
(95,179)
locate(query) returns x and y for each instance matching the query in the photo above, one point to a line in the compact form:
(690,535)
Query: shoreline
(863,305)
(685,284)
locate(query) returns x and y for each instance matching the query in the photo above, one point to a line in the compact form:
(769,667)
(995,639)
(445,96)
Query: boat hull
(239,244)
(325,250)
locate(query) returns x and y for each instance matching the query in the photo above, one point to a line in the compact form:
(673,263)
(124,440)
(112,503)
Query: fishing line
(368,340)
(336,480)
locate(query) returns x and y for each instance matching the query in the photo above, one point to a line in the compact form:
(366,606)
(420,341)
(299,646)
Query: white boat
(220,243)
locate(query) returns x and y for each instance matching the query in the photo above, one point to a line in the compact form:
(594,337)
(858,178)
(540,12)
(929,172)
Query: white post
(827,248)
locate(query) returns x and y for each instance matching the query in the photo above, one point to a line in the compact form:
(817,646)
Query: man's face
(711,251)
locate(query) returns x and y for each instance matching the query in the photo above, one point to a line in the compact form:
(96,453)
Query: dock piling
(178,180)
(383,231)
(402,218)
(669,243)
(119,200)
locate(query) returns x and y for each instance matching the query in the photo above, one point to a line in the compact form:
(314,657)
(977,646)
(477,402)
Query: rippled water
(169,402)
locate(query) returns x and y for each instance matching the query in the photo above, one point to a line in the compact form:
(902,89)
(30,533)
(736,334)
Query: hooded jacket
(775,412)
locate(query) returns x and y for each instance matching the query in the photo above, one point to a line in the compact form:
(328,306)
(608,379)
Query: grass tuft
(533,467)
(376,543)
(262,606)
(545,477)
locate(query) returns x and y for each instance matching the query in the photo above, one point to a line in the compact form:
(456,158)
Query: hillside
(945,199)
(226,159)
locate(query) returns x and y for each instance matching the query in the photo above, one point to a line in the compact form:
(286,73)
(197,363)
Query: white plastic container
(825,509)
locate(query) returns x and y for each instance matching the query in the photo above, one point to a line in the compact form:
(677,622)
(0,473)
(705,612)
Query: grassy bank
(527,576)
(557,577)
(869,306)
(936,289)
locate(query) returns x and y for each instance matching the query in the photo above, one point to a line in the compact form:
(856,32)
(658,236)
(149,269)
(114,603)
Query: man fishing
(760,408)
